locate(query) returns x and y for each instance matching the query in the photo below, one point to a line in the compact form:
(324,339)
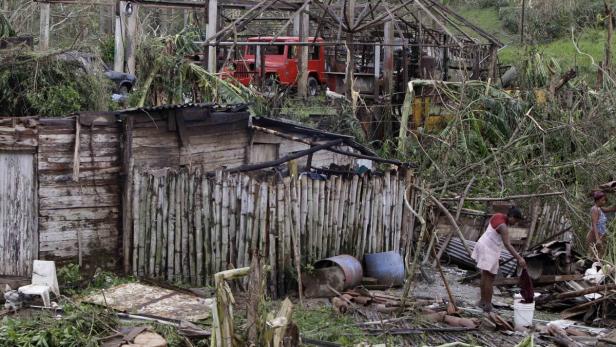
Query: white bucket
(523,314)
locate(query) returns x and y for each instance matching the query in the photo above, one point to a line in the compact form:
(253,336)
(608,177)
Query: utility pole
(44,29)
(131,37)
(118,57)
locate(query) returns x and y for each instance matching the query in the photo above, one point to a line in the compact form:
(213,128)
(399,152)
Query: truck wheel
(313,86)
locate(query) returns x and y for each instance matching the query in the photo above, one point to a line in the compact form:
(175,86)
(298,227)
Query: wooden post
(118,58)
(350,69)
(522,21)
(131,38)
(44,38)
(388,61)
(302,59)
(127,212)
(607,64)
(377,69)
(212,15)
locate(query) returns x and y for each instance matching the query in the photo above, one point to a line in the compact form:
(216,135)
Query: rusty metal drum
(353,272)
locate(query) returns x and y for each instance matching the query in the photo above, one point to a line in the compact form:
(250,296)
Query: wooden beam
(546,279)
(505,198)
(44,21)
(272,163)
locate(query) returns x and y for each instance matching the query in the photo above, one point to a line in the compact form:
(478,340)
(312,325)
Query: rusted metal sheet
(351,267)
(457,255)
(18,230)
(137,298)
(386,267)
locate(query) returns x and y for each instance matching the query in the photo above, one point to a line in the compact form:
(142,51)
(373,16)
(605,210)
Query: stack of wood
(576,299)
(377,301)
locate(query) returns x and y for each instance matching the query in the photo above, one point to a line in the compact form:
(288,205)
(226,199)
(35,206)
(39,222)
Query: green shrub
(46,86)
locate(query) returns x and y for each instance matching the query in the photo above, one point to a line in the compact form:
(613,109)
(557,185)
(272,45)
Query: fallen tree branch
(505,198)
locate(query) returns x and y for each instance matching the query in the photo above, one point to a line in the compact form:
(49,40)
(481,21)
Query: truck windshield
(267,50)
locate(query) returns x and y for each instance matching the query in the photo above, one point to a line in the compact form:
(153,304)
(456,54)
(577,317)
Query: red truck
(280,63)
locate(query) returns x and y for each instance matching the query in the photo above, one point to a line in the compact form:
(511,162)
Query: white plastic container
(523,314)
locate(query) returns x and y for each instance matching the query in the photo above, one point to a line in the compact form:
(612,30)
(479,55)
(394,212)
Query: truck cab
(280,63)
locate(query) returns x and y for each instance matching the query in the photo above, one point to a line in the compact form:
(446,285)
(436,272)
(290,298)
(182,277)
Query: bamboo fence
(187,226)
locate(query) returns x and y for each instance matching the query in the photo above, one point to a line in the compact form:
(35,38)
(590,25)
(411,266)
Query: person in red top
(487,252)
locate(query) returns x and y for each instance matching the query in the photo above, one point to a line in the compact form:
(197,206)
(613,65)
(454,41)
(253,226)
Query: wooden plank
(153,227)
(190,214)
(17,214)
(242,238)
(198,218)
(262,220)
(309,222)
(179,197)
(184,251)
(217,227)
(225,244)
(165,228)
(233,221)
(280,238)
(303,205)
(207,226)
(171,227)
(136,178)
(160,192)
(271,232)
(546,279)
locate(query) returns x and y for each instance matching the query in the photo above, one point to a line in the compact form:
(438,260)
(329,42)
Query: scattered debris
(136,337)
(153,301)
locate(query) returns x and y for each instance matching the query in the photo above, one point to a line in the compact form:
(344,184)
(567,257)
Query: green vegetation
(80,326)
(324,324)
(169,77)
(5,27)
(548,31)
(34,84)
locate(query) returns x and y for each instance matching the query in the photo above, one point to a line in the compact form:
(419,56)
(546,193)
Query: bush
(46,86)
(551,20)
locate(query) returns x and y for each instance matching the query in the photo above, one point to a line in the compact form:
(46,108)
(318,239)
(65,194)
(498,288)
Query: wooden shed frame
(84,163)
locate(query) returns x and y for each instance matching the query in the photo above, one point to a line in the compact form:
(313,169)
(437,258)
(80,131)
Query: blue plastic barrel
(386,267)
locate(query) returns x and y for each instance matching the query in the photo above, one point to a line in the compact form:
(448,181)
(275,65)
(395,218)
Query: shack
(180,192)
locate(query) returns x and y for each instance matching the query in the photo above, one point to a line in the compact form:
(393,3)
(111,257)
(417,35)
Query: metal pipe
(311,43)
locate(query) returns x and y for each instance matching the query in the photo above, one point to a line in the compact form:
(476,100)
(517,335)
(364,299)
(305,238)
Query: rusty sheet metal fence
(187,226)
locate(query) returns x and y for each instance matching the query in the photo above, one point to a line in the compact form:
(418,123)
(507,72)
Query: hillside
(548,31)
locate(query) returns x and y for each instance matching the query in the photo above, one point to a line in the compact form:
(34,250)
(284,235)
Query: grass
(487,19)
(324,324)
(590,41)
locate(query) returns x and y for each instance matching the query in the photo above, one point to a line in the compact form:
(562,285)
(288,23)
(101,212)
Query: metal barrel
(386,267)
(353,272)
